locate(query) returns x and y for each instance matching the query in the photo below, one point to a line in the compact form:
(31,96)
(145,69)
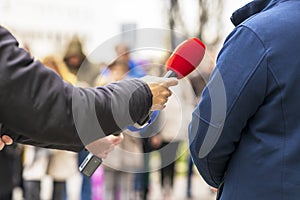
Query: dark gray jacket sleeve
(37,107)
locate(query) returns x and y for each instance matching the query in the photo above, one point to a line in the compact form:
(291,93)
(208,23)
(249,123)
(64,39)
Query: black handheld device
(90,164)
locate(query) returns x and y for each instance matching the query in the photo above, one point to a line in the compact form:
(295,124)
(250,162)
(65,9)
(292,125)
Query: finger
(166,93)
(7,140)
(102,155)
(162,101)
(169,82)
(157,107)
(1,145)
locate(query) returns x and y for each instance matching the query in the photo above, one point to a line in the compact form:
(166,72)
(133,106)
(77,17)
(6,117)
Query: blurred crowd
(125,174)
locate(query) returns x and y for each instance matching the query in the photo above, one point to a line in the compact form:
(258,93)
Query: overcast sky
(41,22)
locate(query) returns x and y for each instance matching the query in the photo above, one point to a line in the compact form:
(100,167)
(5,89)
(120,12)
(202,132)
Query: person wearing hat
(78,63)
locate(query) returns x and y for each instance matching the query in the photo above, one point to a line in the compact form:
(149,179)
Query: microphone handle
(170,74)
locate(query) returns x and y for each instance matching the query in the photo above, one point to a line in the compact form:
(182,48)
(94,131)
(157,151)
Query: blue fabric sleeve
(234,92)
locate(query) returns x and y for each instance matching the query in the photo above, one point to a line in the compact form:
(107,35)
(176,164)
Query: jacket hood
(252,8)
(74,48)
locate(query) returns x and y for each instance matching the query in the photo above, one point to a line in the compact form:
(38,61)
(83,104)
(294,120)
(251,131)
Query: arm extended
(39,108)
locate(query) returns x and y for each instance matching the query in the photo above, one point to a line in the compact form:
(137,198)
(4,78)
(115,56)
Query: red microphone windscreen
(186,57)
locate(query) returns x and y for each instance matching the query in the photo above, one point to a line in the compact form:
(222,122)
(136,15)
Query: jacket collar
(252,8)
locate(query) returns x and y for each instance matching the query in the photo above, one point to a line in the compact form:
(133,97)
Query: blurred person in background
(61,167)
(36,161)
(78,63)
(119,185)
(173,125)
(86,74)
(57,65)
(18,166)
(35,167)
(7,173)
(142,183)
(62,164)
(136,70)
(115,71)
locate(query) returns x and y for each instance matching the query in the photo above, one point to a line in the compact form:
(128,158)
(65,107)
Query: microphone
(185,59)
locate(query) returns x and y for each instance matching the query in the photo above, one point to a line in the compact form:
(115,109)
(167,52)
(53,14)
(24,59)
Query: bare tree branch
(210,13)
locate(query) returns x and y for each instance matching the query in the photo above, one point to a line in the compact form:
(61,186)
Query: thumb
(7,140)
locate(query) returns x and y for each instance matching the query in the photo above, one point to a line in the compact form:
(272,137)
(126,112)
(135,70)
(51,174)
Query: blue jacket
(245,132)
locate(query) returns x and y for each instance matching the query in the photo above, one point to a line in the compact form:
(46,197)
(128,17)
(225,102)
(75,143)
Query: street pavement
(200,190)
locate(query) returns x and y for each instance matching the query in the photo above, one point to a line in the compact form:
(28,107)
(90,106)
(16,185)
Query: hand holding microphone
(160,90)
(185,58)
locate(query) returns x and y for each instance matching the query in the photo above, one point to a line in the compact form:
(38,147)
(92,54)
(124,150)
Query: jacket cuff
(141,115)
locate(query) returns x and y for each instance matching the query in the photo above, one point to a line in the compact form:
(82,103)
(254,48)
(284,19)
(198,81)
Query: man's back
(267,160)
